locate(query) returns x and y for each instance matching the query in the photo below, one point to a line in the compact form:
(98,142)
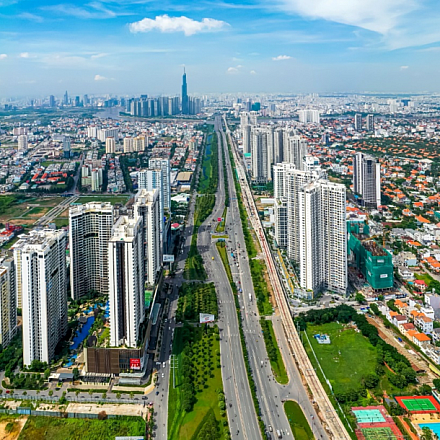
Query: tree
(427,434)
(104,395)
(76,393)
(371,380)
(359,298)
(131,395)
(46,373)
(75,373)
(118,395)
(50,393)
(102,415)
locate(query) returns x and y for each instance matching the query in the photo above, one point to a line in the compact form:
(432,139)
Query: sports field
(378,434)
(418,403)
(349,351)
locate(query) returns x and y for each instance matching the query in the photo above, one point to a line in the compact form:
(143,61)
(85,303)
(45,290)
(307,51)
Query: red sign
(135,364)
(219,219)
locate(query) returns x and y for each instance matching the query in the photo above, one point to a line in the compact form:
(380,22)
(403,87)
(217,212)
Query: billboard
(135,364)
(168,258)
(206,317)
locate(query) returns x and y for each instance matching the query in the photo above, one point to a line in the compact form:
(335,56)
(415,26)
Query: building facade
(366,179)
(8,302)
(163,165)
(126,276)
(90,227)
(41,259)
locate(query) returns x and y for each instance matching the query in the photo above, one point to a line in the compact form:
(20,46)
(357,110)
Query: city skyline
(292,46)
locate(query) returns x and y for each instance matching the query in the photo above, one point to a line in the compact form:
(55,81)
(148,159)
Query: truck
(250,297)
(279,434)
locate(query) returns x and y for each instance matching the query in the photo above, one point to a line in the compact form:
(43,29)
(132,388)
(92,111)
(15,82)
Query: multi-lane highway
(327,414)
(270,393)
(240,408)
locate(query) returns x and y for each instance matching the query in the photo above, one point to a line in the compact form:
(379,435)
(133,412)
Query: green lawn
(224,257)
(298,422)
(276,360)
(37,210)
(61,222)
(345,361)
(204,350)
(51,428)
(425,277)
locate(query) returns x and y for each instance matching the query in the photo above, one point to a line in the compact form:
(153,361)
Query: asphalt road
(242,418)
(271,394)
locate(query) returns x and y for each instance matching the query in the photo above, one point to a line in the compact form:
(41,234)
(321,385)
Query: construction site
(370,258)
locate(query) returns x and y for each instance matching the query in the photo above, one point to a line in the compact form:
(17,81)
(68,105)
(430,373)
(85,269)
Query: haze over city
(135,46)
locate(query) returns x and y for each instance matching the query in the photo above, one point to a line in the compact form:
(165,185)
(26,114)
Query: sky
(138,47)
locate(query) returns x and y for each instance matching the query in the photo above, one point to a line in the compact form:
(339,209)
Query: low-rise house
(425,324)
(405,328)
(420,339)
(435,334)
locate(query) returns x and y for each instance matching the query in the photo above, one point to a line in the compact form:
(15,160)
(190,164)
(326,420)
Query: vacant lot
(51,428)
(11,426)
(348,358)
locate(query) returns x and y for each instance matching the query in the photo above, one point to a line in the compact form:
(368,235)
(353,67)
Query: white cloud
(98,55)
(239,66)
(232,71)
(24,55)
(3,56)
(100,78)
(31,17)
(282,58)
(375,15)
(252,72)
(188,26)
(404,67)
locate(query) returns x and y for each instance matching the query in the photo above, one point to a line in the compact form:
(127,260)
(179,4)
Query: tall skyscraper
(147,206)
(358,122)
(8,301)
(66,98)
(51,101)
(110,145)
(185,101)
(40,260)
(323,237)
(66,147)
(366,179)
(22,142)
(370,122)
(128,144)
(309,116)
(126,275)
(151,179)
(296,149)
(280,173)
(90,227)
(164,165)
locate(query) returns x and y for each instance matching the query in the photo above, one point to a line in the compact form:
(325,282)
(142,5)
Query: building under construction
(372,260)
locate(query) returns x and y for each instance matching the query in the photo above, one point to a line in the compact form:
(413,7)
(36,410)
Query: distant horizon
(300,46)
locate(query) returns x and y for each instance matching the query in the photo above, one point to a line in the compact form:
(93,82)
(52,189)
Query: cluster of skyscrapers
(115,251)
(309,210)
(165,105)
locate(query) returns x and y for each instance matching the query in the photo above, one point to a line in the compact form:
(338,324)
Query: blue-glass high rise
(185,107)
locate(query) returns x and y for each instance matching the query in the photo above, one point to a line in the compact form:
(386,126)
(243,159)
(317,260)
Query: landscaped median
(196,405)
(298,422)
(273,352)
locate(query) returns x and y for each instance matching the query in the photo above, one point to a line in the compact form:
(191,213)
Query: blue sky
(140,46)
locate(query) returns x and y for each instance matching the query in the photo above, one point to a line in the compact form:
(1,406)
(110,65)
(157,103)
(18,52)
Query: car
(144,397)
(270,428)
(164,365)
(163,375)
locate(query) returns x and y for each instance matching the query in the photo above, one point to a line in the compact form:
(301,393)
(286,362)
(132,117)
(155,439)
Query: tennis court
(368,416)
(378,434)
(418,403)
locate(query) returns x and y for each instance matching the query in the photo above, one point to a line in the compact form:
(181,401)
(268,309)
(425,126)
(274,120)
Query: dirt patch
(11,432)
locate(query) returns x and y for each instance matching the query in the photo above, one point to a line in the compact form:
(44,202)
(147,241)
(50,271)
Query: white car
(164,365)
